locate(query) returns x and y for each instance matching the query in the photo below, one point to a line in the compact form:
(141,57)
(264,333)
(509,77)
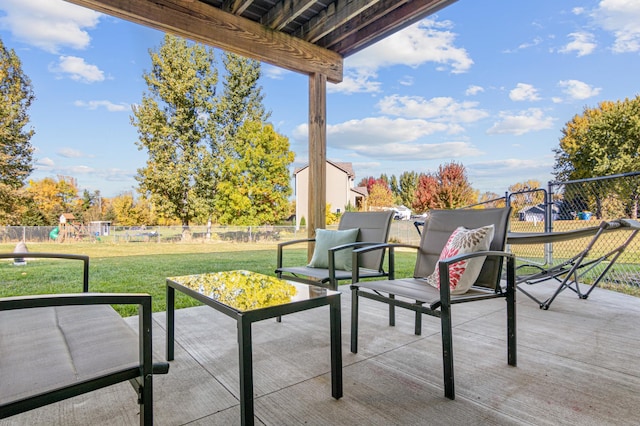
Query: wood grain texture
(212,26)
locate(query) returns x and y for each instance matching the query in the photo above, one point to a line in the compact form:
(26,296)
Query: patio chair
(373,229)
(419,293)
(57,346)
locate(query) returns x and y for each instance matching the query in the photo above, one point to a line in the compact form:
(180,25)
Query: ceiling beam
(235,7)
(209,25)
(336,15)
(393,20)
(371,14)
(280,15)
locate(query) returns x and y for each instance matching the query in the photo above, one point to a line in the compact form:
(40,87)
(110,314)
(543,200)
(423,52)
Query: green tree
(251,160)
(91,206)
(53,197)
(241,99)
(602,141)
(131,212)
(256,188)
(408,187)
(16,151)
(394,186)
(173,123)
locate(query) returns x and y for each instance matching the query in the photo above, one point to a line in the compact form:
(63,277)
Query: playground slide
(54,233)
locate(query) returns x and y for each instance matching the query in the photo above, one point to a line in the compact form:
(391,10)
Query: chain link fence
(401,231)
(570,205)
(562,206)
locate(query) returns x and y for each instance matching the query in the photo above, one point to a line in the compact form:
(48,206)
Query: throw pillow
(463,274)
(326,239)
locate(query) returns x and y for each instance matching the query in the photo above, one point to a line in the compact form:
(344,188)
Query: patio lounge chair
(373,229)
(418,295)
(569,273)
(56,346)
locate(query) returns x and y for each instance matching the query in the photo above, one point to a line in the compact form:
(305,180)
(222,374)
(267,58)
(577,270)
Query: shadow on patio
(577,364)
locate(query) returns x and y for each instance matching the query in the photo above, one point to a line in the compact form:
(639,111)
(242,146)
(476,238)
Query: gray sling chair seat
(57,346)
(373,229)
(422,298)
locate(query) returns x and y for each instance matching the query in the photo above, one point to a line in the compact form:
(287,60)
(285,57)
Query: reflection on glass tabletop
(245,290)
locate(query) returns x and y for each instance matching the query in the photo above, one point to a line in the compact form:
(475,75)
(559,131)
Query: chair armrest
(83,258)
(377,246)
(443,268)
(45,300)
(288,243)
(465,256)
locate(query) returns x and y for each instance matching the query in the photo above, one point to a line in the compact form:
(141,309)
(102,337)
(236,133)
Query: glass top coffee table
(249,297)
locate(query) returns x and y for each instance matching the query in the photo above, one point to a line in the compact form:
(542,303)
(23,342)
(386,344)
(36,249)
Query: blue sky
(489,84)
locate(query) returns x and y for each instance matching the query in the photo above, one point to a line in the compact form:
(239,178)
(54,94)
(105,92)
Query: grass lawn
(143,268)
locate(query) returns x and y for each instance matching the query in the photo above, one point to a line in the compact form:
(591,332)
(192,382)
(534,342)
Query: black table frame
(244,319)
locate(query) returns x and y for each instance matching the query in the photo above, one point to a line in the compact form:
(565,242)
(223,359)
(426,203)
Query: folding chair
(570,272)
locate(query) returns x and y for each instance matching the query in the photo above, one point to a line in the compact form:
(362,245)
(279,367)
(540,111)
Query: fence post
(548,225)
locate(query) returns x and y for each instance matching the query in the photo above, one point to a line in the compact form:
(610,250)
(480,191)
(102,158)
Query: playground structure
(69,229)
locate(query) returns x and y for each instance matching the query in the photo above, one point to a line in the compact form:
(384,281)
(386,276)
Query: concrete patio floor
(578,364)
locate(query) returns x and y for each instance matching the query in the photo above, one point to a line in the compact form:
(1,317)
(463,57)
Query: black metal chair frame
(330,277)
(440,307)
(139,376)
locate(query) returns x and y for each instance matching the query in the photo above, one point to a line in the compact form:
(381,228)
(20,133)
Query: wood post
(317,156)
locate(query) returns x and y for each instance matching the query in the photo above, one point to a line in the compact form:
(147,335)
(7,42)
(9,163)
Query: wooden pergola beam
(209,25)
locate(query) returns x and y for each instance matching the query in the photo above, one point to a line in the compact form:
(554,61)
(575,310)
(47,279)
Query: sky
(487,84)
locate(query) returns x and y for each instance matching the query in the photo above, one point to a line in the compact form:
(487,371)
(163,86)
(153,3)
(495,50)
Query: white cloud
(396,151)
(524,92)
(274,73)
(44,163)
(384,140)
(77,69)
(108,105)
(536,41)
(407,80)
(510,165)
(374,131)
(371,132)
(622,18)
(492,175)
(578,90)
(80,170)
(424,42)
(583,44)
(70,153)
(473,90)
(49,24)
(530,120)
(356,81)
(427,41)
(440,109)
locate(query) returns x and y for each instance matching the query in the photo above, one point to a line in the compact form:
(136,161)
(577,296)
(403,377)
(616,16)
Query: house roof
(347,168)
(307,36)
(362,190)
